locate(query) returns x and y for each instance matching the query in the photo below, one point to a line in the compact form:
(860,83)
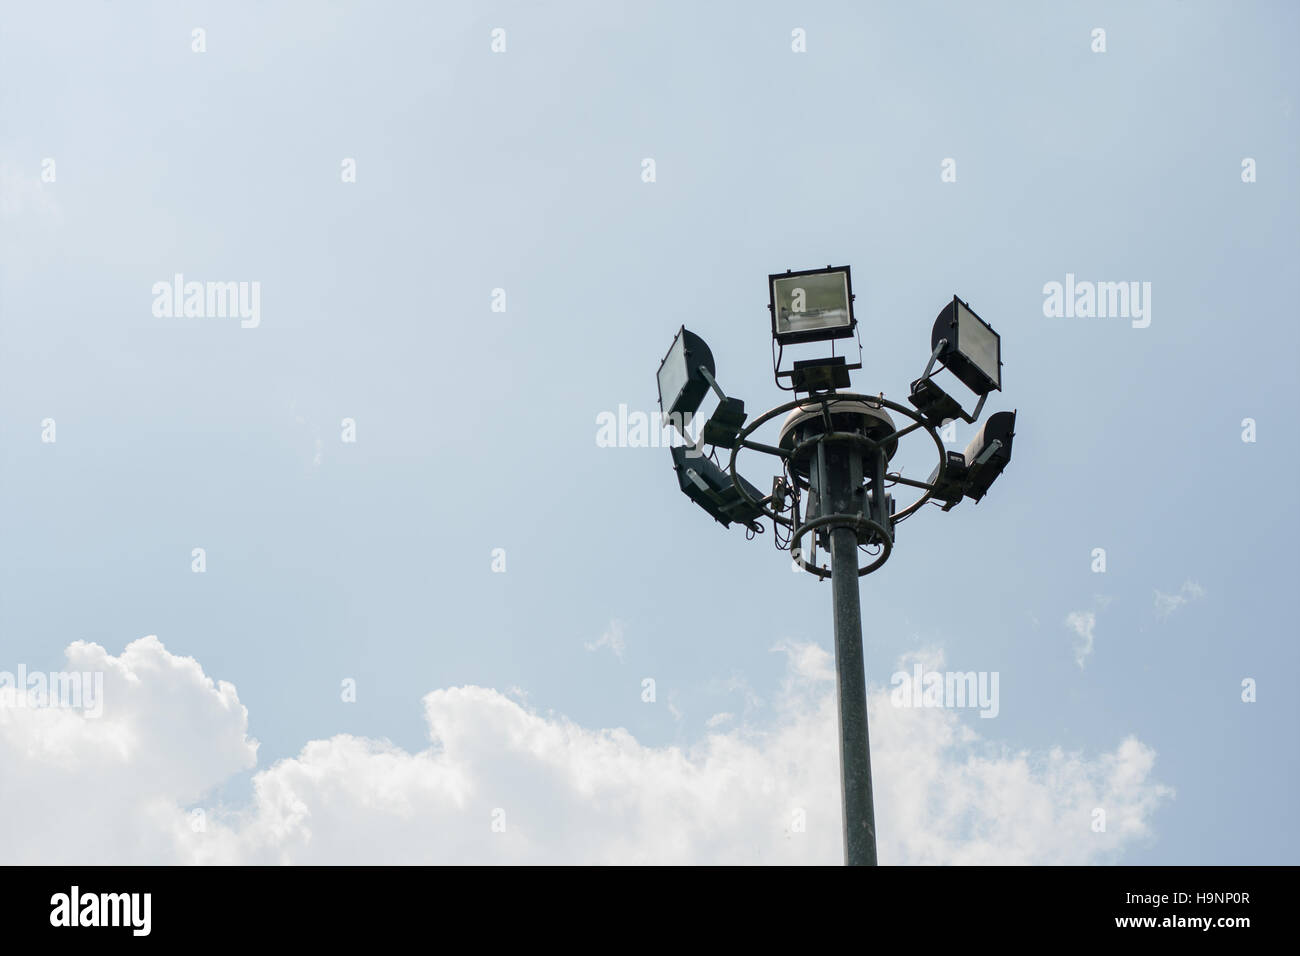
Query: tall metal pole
(851,683)
(838,480)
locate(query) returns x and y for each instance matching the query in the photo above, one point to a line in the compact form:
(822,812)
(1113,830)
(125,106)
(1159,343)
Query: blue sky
(476,429)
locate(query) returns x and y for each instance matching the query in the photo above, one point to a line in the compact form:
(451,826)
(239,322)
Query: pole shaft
(851,684)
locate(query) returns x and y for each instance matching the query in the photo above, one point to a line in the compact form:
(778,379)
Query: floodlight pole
(841,468)
(837,446)
(851,684)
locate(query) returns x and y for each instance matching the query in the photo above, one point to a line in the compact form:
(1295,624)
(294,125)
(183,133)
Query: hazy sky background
(476,430)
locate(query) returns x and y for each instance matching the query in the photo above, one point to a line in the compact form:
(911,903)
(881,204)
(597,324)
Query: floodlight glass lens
(811,302)
(673,374)
(976,446)
(978,343)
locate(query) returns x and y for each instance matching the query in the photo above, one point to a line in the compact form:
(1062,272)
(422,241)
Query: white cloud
(1166,604)
(119,789)
(1084,624)
(733,687)
(612,638)
(108,790)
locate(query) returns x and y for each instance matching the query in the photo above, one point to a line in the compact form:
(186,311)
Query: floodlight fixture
(814,305)
(713,490)
(725,423)
(685,376)
(953,486)
(989,453)
(936,406)
(820,375)
(968,347)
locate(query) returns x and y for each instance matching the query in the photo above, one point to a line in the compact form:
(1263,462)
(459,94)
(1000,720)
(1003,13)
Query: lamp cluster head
(816,305)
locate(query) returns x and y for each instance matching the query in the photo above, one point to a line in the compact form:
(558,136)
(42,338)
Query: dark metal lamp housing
(711,488)
(971,349)
(820,375)
(811,306)
(682,386)
(936,406)
(989,453)
(725,423)
(953,487)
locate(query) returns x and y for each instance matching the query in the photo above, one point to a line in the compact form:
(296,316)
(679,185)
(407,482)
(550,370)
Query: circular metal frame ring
(875,400)
(858,523)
